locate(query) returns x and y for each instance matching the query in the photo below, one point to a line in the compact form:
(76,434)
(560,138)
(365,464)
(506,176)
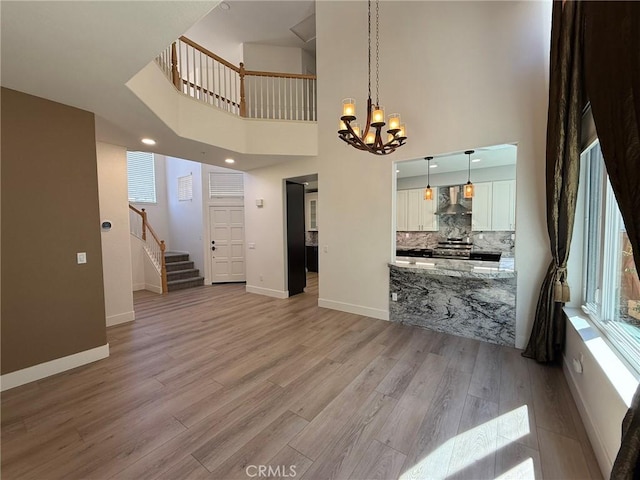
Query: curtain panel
(612,80)
(566,101)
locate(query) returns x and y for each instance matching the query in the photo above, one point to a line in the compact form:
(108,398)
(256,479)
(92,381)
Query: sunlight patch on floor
(469,447)
(522,471)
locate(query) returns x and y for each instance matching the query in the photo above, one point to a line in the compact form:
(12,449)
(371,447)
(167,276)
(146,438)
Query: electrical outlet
(394,296)
(252,246)
(325,249)
(81,257)
(261,278)
(481,236)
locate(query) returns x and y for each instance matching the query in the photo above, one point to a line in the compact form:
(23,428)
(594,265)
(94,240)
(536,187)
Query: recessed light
(225,6)
(435,165)
(148,141)
(475,160)
(230,160)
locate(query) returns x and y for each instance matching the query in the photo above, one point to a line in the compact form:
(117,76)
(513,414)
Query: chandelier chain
(377,53)
(369,48)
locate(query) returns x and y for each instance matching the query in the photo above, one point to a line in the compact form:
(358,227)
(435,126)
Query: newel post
(175,76)
(163,269)
(144,224)
(243,104)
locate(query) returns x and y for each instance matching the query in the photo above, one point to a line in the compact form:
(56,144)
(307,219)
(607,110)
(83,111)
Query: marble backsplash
(490,241)
(311,238)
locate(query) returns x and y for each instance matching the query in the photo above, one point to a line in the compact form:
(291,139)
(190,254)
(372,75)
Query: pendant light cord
(469,171)
(369,48)
(377,53)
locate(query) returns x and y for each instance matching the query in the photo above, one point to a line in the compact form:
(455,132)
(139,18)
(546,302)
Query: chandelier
(369,138)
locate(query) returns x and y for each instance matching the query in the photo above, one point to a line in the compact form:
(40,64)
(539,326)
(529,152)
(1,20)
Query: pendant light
(468,188)
(428,192)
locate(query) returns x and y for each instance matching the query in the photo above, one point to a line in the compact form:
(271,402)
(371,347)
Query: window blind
(185,188)
(226,185)
(141,177)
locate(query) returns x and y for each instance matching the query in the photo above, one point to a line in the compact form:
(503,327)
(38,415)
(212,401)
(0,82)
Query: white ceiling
(82,53)
(266,22)
(495,156)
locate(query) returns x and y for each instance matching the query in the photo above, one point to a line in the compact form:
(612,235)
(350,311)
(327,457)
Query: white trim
(46,369)
(153,288)
(357,309)
(605,463)
(138,286)
(267,291)
(121,318)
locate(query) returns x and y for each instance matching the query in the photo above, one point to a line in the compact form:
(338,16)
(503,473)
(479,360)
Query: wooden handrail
(209,53)
(255,73)
(161,245)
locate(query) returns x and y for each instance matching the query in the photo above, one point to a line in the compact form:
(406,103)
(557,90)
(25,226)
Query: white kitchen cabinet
(503,208)
(481,206)
(311,211)
(401,211)
(414,213)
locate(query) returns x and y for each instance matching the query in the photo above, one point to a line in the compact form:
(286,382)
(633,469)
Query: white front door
(226,234)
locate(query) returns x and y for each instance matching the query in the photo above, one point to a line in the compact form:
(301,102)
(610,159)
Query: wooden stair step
(185,283)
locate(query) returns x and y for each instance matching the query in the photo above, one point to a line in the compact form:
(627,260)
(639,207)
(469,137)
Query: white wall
(468,74)
(492,174)
(158,213)
(271,58)
(185,217)
(266,226)
(116,247)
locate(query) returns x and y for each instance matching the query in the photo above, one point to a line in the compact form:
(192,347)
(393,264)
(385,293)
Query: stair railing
(205,76)
(155,248)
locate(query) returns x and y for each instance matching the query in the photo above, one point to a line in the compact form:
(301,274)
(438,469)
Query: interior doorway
(309,234)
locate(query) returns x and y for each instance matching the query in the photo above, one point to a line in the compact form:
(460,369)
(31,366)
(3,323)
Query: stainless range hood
(454,208)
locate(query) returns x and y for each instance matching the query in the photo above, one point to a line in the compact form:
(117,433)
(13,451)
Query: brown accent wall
(51,306)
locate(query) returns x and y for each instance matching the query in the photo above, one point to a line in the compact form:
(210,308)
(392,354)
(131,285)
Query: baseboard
(153,288)
(121,318)
(592,430)
(351,308)
(46,369)
(138,286)
(267,291)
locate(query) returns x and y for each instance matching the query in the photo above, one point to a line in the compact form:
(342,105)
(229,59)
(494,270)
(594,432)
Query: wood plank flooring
(215,383)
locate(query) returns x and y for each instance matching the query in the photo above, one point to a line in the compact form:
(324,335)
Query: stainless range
(453,248)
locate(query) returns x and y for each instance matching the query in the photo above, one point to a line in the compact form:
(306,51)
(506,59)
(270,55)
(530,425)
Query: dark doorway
(295,239)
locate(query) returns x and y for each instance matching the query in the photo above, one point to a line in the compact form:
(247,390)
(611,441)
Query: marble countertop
(457,268)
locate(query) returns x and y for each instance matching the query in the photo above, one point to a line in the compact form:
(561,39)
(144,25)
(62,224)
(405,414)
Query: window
(185,188)
(225,184)
(142,177)
(611,286)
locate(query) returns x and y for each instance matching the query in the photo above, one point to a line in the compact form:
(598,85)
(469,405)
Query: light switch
(82,257)
(325,249)
(252,246)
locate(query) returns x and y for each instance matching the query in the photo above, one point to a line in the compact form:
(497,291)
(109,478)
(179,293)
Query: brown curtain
(563,170)
(612,80)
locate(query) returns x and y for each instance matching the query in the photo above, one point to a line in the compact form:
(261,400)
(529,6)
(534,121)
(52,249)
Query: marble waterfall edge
(481,307)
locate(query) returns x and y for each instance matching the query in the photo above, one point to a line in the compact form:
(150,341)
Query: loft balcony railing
(203,75)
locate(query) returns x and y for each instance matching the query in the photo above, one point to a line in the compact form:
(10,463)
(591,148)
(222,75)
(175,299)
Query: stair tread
(181,262)
(184,280)
(177,272)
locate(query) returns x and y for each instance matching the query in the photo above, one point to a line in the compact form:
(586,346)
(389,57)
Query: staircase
(180,272)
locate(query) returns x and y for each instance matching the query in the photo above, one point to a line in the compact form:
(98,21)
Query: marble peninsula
(467,298)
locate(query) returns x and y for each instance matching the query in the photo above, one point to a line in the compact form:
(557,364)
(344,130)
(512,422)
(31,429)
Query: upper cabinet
(311,211)
(504,205)
(414,213)
(481,206)
(494,206)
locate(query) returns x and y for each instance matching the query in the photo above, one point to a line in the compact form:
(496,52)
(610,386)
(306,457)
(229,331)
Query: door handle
(213,242)
(213,249)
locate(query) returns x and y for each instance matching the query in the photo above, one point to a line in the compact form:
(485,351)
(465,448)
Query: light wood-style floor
(212,383)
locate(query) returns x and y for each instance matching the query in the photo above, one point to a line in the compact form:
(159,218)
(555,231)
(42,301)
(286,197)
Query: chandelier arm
(368,124)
